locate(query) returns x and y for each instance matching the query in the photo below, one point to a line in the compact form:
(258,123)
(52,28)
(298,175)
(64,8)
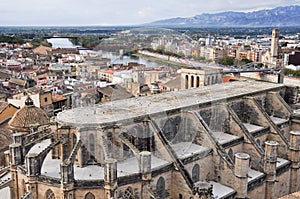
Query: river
(114,56)
(61,43)
(116,59)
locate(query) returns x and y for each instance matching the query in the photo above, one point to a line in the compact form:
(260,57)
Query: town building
(198,77)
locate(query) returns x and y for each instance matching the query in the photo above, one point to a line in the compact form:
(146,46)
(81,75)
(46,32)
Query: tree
(227,61)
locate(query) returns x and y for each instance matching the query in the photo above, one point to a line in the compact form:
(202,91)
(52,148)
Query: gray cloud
(119,12)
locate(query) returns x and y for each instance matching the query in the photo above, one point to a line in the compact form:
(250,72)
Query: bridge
(250,68)
(62,37)
(114,47)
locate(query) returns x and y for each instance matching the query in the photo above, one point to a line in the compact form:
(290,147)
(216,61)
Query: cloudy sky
(118,12)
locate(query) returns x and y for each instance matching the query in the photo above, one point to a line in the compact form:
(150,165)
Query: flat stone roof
(252,127)
(39,147)
(253,175)
(220,190)
(278,120)
(223,138)
(187,149)
(280,162)
(123,110)
(51,168)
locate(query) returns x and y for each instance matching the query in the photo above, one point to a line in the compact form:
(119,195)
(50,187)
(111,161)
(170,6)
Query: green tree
(227,61)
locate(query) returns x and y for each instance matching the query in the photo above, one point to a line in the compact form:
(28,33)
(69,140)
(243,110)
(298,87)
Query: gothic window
(160,188)
(89,196)
(92,146)
(230,154)
(258,142)
(170,130)
(49,194)
(74,140)
(180,196)
(128,194)
(109,141)
(195,173)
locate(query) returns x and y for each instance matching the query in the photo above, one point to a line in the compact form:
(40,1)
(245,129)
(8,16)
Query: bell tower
(274,43)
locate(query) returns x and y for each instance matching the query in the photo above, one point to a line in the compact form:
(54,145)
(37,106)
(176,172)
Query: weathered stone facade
(236,140)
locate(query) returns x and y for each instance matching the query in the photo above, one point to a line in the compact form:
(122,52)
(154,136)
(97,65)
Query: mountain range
(277,17)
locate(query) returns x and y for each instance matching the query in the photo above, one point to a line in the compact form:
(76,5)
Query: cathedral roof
(27,116)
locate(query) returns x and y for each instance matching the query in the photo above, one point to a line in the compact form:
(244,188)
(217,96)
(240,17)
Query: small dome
(27,116)
(29,102)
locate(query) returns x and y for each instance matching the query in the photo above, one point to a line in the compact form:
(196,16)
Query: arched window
(230,154)
(128,194)
(89,196)
(92,146)
(186,82)
(198,82)
(49,194)
(160,188)
(180,196)
(195,173)
(192,81)
(74,140)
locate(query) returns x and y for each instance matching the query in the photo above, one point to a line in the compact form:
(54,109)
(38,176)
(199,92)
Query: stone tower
(274,43)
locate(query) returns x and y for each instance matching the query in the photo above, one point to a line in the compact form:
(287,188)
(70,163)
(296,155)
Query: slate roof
(115,92)
(5,138)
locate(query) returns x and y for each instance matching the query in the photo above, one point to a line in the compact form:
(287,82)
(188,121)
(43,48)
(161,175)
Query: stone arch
(196,173)
(89,195)
(160,187)
(128,193)
(49,194)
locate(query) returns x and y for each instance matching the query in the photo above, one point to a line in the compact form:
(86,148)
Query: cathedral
(232,140)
